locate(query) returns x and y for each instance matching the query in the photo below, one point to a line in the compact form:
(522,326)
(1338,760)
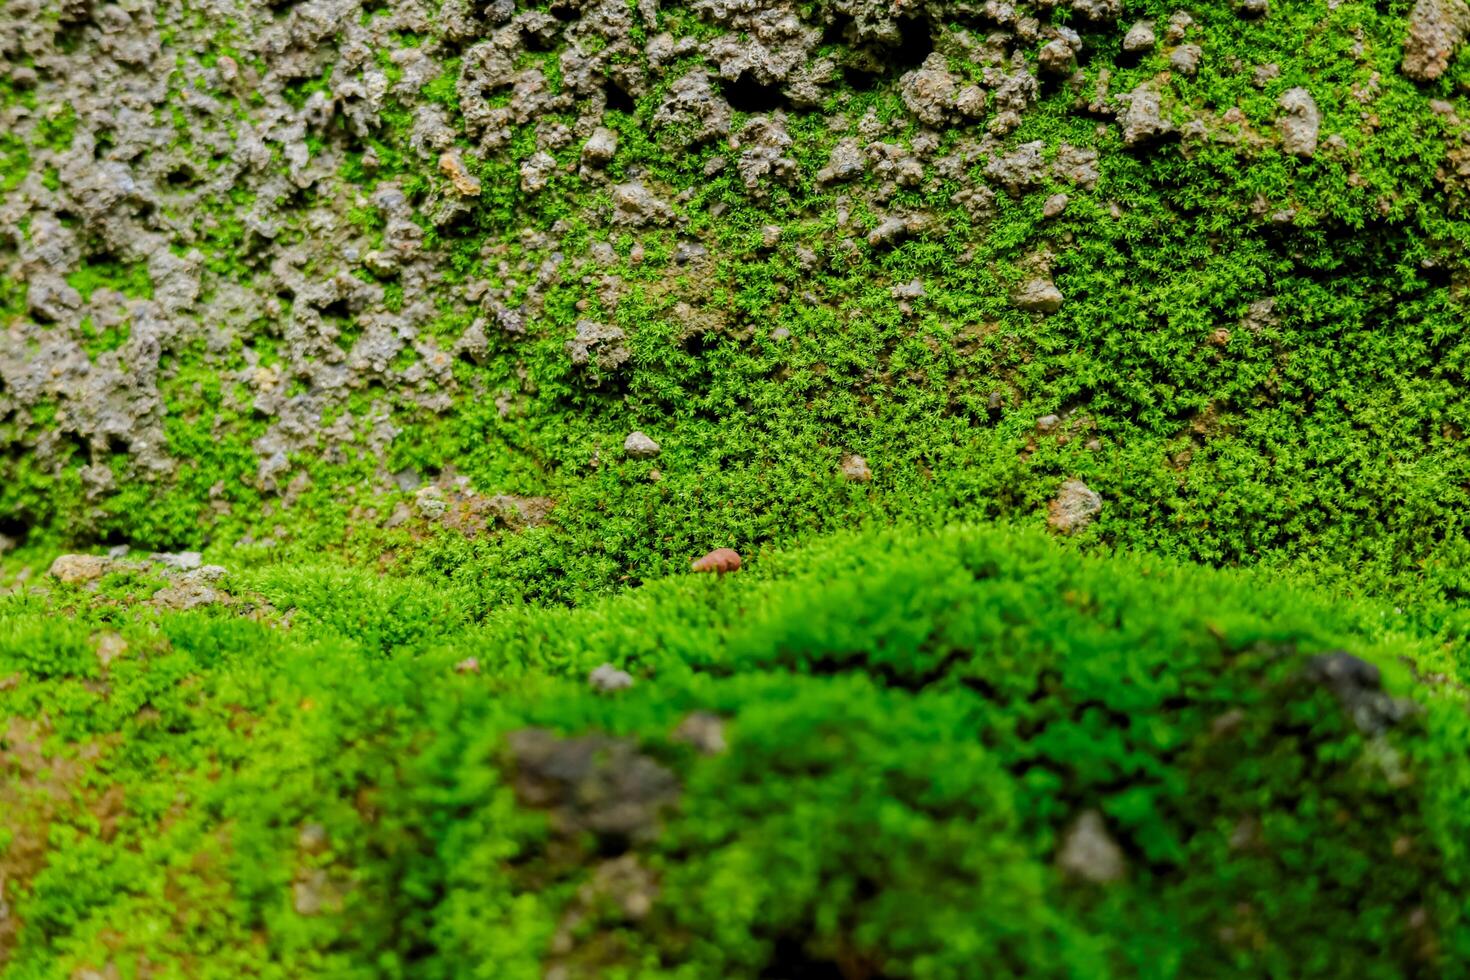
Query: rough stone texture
(1300,122)
(599,345)
(1185,59)
(640,446)
(1142,116)
(76,569)
(1076,506)
(1140,37)
(1037,296)
(1437,28)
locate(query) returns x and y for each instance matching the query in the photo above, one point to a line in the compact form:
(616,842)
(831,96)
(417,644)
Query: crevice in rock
(617,99)
(745,94)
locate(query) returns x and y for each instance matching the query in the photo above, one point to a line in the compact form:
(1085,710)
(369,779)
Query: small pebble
(719,561)
(855,469)
(640,446)
(609,678)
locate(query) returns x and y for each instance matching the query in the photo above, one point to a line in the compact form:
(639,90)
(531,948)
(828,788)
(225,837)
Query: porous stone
(1075,506)
(600,147)
(1037,295)
(1142,116)
(1437,28)
(640,446)
(1299,123)
(77,569)
(1140,37)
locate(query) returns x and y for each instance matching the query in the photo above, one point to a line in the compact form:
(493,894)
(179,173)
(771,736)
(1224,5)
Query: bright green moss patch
(909,726)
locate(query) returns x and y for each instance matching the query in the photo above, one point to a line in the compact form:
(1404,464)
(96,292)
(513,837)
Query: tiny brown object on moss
(719,561)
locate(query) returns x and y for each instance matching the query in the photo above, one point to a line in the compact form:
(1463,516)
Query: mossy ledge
(1069,397)
(906,753)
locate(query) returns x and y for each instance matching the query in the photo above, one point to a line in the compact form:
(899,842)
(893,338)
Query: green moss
(914,720)
(129,279)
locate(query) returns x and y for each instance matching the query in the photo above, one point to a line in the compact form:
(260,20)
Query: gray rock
(640,446)
(1437,28)
(1075,507)
(1021,169)
(608,678)
(1140,37)
(704,730)
(188,595)
(184,561)
(600,147)
(77,569)
(591,784)
(1299,123)
(636,206)
(1076,164)
(430,502)
(1054,206)
(1057,58)
(1038,295)
(694,108)
(855,469)
(764,158)
(929,91)
(1185,59)
(598,345)
(1358,687)
(913,289)
(686,252)
(1089,853)
(1142,116)
(537,171)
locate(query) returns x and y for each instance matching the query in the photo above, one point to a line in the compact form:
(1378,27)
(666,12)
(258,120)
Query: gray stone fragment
(1437,28)
(1140,37)
(1358,687)
(1075,507)
(636,206)
(1089,853)
(76,569)
(1057,58)
(1021,169)
(598,345)
(591,784)
(600,147)
(183,561)
(855,469)
(608,678)
(1038,295)
(704,730)
(1185,59)
(1299,123)
(1142,116)
(640,446)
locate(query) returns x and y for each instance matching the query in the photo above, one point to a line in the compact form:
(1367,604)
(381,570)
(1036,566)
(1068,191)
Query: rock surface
(1075,507)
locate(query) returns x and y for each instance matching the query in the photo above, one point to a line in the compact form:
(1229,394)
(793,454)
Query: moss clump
(908,726)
